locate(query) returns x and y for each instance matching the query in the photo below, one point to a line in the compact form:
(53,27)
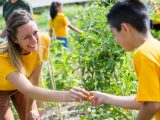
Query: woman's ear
(15,41)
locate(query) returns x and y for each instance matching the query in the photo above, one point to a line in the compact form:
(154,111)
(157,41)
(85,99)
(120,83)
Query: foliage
(63,72)
(2,23)
(43,21)
(104,65)
(156,34)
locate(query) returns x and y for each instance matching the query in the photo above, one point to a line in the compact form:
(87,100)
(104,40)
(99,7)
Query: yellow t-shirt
(147,67)
(30,61)
(59,25)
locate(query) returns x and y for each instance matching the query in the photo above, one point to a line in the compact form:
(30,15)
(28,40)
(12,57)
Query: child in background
(153,7)
(133,32)
(155,22)
(59,24)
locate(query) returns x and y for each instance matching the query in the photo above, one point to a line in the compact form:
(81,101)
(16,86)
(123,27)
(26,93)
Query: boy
(130,25)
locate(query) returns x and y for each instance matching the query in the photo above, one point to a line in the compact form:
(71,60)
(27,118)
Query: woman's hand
(78,94)
(32,115)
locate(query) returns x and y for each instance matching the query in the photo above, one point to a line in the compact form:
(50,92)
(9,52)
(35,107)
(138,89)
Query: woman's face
(27,37)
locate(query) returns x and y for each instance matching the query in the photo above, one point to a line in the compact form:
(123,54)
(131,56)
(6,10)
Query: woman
(21,61)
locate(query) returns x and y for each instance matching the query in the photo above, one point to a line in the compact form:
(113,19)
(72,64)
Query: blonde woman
(21,60)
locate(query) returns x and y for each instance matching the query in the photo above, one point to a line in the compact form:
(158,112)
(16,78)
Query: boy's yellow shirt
(147,67)
(30,61)
(59,25)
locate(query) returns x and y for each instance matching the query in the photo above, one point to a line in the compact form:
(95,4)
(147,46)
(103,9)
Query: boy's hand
(77,94)
(96,98)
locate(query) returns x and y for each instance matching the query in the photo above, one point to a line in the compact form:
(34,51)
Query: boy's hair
(54,9)
(132,12)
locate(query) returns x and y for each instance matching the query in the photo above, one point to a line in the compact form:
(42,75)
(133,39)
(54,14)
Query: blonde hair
(18,18)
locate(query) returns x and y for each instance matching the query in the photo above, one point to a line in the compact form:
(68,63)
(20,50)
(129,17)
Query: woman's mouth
(32,46)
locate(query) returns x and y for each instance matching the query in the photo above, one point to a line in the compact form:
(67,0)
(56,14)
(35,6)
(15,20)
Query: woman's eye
(27,37)
(36,33)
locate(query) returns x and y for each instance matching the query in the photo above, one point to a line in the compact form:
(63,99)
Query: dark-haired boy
(130,25)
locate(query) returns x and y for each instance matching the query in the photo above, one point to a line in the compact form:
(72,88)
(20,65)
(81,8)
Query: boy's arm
(128,102)
(148,110)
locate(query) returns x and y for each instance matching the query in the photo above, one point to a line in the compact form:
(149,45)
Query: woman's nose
(33,39)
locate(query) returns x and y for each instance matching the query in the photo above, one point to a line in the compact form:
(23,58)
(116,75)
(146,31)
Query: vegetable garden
(95,61)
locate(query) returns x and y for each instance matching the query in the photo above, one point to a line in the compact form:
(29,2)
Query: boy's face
(122,38)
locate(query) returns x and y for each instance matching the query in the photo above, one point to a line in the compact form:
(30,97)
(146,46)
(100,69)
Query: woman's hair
(132,12)
(54,9)
(18,18)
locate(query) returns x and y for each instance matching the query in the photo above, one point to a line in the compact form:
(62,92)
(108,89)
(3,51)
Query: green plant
(104,65)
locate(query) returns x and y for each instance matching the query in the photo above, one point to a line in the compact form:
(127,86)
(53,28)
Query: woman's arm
(35,79)
(25,86)
(35,76)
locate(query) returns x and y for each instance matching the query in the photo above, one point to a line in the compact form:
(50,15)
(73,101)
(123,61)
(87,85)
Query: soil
(69,111)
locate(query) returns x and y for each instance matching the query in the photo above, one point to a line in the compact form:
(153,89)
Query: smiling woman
(21,62)
(27,37)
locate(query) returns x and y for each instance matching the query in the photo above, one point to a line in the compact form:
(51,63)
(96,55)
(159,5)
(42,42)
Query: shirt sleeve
(44,47)
(66,21)
(6,67)
(148,80)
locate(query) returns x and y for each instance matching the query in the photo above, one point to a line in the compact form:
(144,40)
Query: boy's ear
(125,27)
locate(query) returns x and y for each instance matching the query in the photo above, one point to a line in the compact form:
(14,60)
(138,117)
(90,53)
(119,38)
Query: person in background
(133,32)
(11,5)
(156,19)
(21,61)
(154,8)
(59,24)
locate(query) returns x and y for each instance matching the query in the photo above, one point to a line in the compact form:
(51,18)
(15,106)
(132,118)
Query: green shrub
(104,65)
